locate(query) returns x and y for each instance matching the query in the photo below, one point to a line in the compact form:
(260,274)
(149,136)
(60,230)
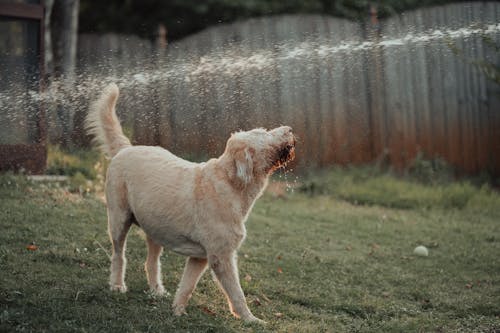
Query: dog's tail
(103,124)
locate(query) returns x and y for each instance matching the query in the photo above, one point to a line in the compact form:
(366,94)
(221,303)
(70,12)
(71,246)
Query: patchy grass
(334,257)
(368,186)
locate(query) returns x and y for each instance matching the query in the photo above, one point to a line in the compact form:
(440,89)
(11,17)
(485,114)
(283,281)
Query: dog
(194,209)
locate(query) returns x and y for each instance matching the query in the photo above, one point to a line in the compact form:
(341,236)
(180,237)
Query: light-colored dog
(195,209)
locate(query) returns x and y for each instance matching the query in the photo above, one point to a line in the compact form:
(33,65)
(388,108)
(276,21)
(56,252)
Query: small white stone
(421,251)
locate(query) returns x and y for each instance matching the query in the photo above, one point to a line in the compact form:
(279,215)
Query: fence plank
(346,105)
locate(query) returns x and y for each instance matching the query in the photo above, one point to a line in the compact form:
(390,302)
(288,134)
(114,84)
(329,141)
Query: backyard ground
(334,255)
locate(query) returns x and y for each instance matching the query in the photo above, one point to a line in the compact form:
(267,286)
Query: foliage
(182,17)
(489,67)
(310,264)
(430,171)
(428,184)
(60,162)
(85,168)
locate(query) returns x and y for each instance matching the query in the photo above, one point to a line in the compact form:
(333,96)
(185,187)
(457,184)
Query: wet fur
(195,209)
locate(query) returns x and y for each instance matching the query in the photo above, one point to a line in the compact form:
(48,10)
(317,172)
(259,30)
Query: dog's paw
(254,320)
(118,287)
(179,310)
(158,290)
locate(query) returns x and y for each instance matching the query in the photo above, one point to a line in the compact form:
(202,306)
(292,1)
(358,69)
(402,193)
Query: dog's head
(259,152)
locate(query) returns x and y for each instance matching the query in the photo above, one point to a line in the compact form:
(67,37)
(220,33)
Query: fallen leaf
(266,298)
(469,285)
(433,245)
(207,310)
(348,248)
(32,247)
(247,278)
(257,302)
(280,270)
(278,315)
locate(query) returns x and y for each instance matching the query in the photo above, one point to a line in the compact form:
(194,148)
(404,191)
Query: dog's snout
(284,133)
(287,129)
(289,133)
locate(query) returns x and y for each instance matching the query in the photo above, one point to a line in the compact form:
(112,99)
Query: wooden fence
(353,94)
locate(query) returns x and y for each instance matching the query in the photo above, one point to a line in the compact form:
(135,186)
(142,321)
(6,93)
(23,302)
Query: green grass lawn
(335,255)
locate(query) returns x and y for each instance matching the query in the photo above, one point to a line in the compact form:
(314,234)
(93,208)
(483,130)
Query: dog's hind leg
(118,226)
(153,267)
(192,272)
(226,272)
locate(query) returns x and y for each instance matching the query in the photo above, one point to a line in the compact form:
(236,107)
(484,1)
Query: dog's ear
(244,165)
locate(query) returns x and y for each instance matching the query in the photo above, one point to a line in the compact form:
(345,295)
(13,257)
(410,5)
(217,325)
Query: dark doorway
(22,124)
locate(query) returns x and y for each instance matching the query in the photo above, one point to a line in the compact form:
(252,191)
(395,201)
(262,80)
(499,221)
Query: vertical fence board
(347,106)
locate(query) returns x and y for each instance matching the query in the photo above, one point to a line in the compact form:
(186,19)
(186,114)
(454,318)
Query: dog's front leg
(226,271)
(153,267)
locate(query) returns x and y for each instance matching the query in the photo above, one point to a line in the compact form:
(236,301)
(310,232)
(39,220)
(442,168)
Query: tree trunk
(63,30)
(48,56)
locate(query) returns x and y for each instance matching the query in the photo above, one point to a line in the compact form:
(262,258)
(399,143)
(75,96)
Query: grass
(368,186)
(333,256)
